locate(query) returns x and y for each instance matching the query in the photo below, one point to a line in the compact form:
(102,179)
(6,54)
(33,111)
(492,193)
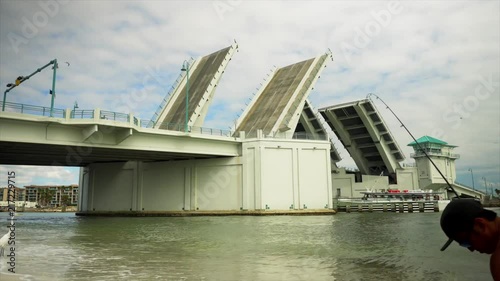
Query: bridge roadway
(280,101)
(67,141)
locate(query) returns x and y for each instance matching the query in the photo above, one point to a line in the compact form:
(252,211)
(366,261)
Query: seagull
(3,242)
(67,63)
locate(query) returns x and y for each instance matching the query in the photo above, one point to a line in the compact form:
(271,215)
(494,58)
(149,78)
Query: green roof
(427,139)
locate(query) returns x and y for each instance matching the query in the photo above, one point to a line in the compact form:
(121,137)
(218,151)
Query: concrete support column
(295,179)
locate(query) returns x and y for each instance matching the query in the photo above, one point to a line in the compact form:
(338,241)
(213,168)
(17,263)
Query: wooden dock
(394,206)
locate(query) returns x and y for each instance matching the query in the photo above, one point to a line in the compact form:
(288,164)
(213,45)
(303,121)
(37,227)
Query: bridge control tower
(441,154)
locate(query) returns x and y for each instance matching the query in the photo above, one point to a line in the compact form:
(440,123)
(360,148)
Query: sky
(435,63)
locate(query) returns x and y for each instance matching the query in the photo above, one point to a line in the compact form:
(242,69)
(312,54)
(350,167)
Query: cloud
(424,60)
(37,175)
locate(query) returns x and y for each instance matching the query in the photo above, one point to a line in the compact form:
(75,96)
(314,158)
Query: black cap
(458,216)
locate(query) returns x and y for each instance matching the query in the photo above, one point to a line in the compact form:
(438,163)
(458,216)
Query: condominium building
(19,194)
(33,193)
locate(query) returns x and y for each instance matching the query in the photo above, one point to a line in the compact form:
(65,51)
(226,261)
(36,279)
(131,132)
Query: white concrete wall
(112,186)
(342,184)
(163,187)
(83,190)
(407,178)
(280,174)
(209,184)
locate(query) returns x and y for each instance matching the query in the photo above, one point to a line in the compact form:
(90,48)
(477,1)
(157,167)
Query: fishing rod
(450,187)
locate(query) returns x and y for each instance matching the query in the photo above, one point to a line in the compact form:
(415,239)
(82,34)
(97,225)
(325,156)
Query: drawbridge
(195,87)
(281,106)
(364,134)
(277,107)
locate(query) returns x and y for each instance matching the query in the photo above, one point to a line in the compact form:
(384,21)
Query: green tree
(45,197)
(65,201)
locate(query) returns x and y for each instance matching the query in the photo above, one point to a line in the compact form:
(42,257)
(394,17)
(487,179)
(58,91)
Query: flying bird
(67,63)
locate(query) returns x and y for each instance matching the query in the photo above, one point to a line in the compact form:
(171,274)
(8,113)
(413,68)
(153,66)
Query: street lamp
(75,106)
(485,186)
(21,79)
(472,175)
(185,67)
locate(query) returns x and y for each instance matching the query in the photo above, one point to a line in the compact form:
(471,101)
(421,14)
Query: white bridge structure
(134,166)
(278,158)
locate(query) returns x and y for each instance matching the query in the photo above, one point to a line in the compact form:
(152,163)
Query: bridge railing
(112,116)
(82,114)
(181,127)
(34,110)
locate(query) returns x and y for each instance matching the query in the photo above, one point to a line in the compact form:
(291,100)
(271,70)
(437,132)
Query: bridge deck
(39,140)
(200,79)
(275,105)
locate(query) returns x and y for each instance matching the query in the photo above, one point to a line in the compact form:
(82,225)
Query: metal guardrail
(113,116)
(125,118)
(421,154)
(34,110)
(169,94)
(295,136)
(82,114)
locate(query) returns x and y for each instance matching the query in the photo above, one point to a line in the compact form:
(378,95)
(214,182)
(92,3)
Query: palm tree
(46,196)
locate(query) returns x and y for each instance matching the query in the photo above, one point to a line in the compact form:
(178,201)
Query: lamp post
(75,106)
(53,92)
(472,175)
(21,79)
(485,186)
(185,67)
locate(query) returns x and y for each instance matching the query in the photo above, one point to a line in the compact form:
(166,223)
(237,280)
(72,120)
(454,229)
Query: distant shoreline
(69,209)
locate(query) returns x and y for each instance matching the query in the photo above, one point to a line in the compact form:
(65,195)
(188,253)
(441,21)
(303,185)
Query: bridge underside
(365,135)
(310,124)
(16,153)
(34,140)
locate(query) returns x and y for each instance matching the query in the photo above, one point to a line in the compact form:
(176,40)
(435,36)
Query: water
(355,246)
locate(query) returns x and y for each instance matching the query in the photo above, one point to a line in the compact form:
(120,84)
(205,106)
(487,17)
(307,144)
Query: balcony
(438,154)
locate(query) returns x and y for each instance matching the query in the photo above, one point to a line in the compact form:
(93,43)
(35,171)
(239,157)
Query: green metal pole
(3,102)
(53,89)
(21,81)
(187,95)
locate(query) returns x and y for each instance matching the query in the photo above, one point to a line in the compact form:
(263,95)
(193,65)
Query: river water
(345,246)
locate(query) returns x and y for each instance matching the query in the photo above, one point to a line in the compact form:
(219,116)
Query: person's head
(472,226)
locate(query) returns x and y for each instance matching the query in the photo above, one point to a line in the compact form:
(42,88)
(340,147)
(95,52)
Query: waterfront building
(33,193)
(19,194)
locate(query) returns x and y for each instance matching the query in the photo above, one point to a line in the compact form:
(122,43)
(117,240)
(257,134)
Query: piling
(421,207)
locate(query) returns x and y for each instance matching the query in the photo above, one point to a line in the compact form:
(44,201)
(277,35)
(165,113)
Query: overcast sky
(435,63)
